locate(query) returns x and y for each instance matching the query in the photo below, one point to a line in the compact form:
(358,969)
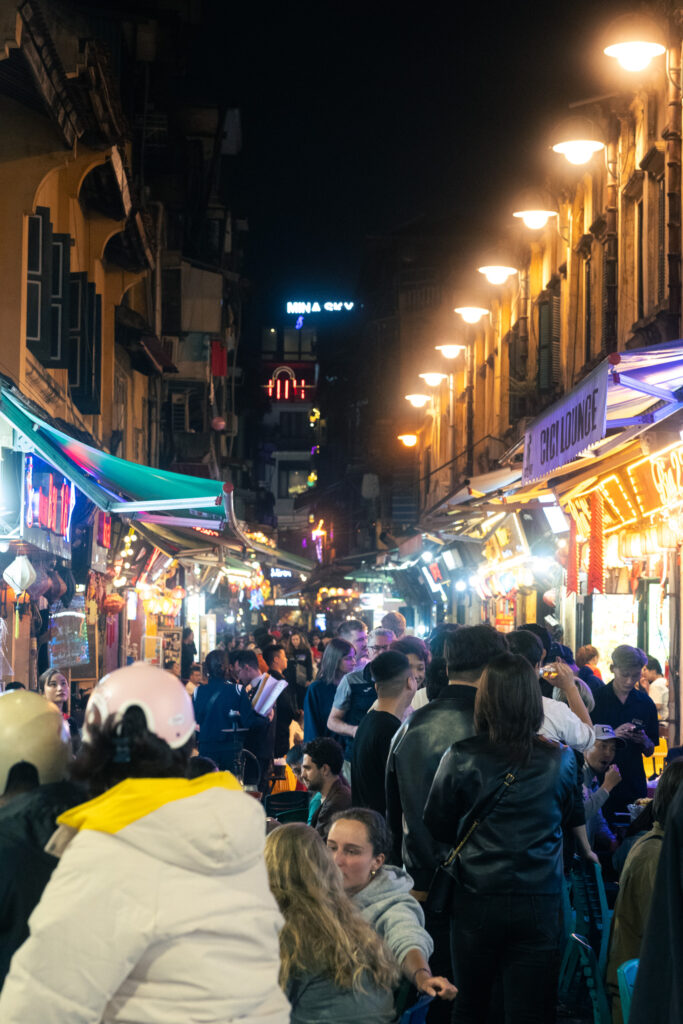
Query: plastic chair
(593,915)
(276,804)
(417,1014)
(587,972)
(626,976)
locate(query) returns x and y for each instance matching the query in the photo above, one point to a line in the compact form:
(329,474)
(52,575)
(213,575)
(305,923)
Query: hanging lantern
(20,574)
(572,560)
(596,564)
(178,593)
(113,603)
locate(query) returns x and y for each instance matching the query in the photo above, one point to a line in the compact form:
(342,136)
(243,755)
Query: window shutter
(38,282)
(661,240)
(85,344)
(545,357)
(59,301)
(555,337)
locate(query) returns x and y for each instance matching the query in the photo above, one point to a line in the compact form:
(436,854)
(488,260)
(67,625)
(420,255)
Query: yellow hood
(134,799)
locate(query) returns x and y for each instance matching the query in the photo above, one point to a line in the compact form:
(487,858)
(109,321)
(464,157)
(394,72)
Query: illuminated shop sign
(657,480)
(568,428)
(49,502)
(280,574)
(300,308)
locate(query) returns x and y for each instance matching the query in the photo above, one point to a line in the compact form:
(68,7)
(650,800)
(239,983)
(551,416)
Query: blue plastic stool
(626,976)
(417,1014)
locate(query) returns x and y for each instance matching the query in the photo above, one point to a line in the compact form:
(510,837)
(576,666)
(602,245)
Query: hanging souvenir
(20,574)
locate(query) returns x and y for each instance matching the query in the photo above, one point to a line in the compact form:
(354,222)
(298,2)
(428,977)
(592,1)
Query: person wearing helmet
(35,754)
(161,896)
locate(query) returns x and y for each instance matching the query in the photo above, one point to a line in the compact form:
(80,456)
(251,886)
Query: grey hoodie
(395,915)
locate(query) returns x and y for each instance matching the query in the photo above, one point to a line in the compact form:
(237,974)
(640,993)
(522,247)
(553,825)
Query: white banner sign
(566,429)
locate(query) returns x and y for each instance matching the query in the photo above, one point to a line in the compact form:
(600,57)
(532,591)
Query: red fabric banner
(596,563)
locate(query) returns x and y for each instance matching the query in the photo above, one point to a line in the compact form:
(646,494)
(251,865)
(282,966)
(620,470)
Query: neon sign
(299,308)
(48,507)
(280,574)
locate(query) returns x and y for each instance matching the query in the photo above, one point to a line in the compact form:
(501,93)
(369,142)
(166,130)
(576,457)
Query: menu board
(172,644)
(68,644)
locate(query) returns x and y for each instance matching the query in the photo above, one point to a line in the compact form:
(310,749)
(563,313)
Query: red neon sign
(49,507)
(104,530)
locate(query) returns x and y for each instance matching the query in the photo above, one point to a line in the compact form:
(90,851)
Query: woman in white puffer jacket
(159,910)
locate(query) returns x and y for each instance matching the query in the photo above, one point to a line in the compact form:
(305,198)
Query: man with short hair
(260,739)
(395,684)
(194,678)
(356,693)
(286,708)
(321,771)
(395,622)
(633,716)
(356,632)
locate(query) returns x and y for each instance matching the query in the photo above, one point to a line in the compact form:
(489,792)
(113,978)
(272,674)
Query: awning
(622,397)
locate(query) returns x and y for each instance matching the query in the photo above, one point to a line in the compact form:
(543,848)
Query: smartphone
(638,725)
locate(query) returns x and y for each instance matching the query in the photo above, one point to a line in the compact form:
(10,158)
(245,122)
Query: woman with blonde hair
(334,967)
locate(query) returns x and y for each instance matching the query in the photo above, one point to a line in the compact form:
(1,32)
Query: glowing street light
(497,274)
(432,380)
(534,220)
(409,440)
(450,351)
(577,139)
(634,41)
(471,314)
(417,400)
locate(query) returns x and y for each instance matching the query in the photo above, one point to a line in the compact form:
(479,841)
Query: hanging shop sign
(100,542)
(507,541)
(48,506)
(657,480)
(319,307)
(280,574)
(568,428)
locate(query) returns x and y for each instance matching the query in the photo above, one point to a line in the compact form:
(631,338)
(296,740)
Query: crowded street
(341,513)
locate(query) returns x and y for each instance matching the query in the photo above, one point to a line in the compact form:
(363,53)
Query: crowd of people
(435,797)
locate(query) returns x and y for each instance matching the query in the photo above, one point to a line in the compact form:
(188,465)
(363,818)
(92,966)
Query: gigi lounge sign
(567,428)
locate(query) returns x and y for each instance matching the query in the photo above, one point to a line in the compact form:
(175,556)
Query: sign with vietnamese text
(567,428)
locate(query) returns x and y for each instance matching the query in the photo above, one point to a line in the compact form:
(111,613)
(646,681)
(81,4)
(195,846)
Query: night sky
(358,122)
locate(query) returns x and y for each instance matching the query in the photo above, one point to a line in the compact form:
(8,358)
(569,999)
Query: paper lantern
(20,574)
(113,603)
(178,593)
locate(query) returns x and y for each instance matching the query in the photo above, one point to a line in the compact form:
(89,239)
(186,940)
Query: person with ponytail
(160,903)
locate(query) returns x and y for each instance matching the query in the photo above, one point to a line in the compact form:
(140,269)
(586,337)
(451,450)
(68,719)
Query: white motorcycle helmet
(33,730)
(160,695)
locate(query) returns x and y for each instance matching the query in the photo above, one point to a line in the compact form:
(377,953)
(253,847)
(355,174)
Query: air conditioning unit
(171,345)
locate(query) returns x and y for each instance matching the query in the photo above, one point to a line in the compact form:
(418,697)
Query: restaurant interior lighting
(409,440)
(577,139)
(450,351)
(418,401)
(633,41)
(471,314)
(432,380)
(497,274)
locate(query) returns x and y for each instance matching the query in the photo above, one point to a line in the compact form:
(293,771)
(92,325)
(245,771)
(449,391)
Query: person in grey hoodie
(334,968)
(359,840)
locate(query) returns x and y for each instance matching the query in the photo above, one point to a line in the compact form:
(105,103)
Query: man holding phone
(633,716)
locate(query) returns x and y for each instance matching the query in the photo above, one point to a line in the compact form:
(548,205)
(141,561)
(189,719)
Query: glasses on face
(378,647)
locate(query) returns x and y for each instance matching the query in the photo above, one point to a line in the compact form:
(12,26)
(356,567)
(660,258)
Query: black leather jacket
(518,847)
(416,750)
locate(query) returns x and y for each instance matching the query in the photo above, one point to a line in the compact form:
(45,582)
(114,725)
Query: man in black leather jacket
(415,754)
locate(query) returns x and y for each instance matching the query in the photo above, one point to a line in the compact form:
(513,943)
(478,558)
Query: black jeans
(438,926)
(509,943)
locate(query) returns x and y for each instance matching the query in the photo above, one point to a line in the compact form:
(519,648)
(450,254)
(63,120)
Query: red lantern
(178,593)
(113,603)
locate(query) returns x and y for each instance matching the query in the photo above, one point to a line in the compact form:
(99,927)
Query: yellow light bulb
(634,55)
(450,351)
(432,380)
(534,220)
(409,440)
(578,151)
(471,314)
(497,274)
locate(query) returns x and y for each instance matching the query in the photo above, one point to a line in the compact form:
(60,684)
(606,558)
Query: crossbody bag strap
(480,814)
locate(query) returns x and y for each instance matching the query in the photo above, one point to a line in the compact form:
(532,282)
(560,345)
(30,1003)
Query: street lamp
(418,401)
(409,440)
(634,40)
(577,139)
(432,380)
(497,274)
(471,314)
(534,209)
(450,351)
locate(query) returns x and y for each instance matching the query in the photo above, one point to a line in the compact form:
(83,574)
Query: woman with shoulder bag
(500,799)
